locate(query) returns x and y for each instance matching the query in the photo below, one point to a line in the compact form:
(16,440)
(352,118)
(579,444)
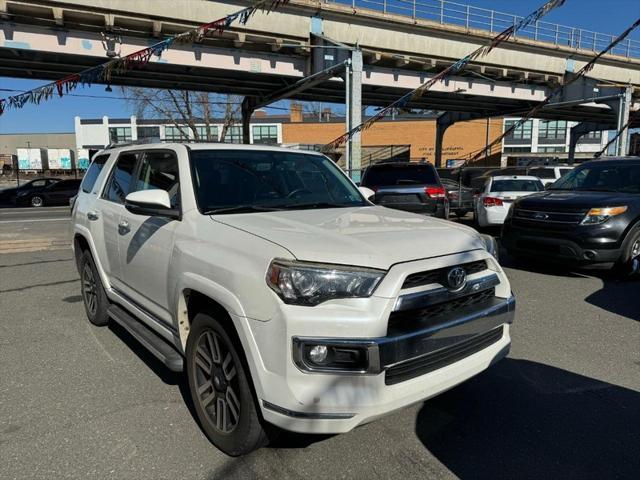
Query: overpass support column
(578,131)
(443,122)
(622,107)
(354,109)
(248,106)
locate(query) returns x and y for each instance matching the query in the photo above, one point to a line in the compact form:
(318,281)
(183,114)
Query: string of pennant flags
(557,91)
(135,60)
(447,72)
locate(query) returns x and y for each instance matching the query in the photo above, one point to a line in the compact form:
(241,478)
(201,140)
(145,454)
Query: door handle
(124,227)
(92,215)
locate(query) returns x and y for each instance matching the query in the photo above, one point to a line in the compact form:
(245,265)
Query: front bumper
(404,369)
(565,248)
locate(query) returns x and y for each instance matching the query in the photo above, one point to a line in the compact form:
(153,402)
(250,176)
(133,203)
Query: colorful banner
(102,73)
(450,70)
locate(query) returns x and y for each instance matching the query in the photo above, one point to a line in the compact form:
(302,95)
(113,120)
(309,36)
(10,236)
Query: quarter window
(120,181)
(159,170)
(93,172)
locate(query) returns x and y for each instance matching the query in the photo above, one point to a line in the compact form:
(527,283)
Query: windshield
(602,177)
(236,181)
(400,175)
(517,186)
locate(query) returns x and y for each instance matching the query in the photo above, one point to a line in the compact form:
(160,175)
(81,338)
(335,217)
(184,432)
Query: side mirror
(367,192)
(154,203)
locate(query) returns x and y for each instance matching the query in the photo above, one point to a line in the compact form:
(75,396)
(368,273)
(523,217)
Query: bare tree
(184,109)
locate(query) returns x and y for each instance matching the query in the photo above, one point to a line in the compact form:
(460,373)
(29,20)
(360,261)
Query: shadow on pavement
(620,298)
(523,419)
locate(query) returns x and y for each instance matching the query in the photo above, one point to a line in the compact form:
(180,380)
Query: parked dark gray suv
(413,187)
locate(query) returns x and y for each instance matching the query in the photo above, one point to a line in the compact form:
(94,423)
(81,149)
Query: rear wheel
(37,201)
(221,390)
(94,297)
(629,263)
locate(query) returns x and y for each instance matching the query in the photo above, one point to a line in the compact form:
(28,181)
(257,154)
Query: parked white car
(548,175)
(285,296)
(498,193)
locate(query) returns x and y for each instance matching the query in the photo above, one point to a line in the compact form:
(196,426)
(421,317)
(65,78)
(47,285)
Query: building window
(265,134)
(591,137)
(202,133)
(175,134)
(551,149)
(552,130)
(517,149)
(522,132)
(234,134)
(119,134)
(152,133)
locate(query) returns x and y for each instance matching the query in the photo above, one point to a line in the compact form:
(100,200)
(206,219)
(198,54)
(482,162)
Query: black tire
(94,297)
(221,389)
(461,213)
(36,201)
(629,264)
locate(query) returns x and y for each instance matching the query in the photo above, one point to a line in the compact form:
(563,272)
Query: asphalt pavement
(34,229)
(78,401)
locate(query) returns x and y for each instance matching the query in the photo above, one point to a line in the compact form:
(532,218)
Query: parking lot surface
(77,401)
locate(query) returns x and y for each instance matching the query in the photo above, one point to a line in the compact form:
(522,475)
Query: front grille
(544,219)
(442,309)
(441,358)
(436,276)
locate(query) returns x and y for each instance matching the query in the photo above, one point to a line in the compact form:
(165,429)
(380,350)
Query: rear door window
(405,175)
(93,172)
(120,181)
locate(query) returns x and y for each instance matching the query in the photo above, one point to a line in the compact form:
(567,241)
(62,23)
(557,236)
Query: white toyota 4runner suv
(282,293)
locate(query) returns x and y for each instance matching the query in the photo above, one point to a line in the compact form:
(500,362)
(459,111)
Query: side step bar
(148,338)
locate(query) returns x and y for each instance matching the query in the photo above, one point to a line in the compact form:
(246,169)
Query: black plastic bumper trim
(306,415)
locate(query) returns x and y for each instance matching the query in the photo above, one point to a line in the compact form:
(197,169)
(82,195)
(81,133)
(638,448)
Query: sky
(57,115)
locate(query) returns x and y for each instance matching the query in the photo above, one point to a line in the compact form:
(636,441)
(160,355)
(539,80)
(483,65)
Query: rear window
(405,175)
(542,172)
(93,172)
(517,186)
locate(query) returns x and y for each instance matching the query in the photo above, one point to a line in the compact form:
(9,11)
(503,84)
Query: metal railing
(451,13)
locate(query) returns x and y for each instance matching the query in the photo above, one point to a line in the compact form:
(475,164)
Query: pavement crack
(38,285)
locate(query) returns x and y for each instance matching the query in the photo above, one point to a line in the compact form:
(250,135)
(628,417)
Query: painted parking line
(59,219)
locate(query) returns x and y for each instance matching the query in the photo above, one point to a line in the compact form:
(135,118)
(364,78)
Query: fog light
(318,354)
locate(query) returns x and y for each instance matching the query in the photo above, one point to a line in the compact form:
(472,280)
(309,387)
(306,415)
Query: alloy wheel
(36,202)
(217,382)
(89,289)
(635,257)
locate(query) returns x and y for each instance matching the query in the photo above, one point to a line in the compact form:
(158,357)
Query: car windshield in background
(405,175)
(238,181)
(603,178)
(517,186)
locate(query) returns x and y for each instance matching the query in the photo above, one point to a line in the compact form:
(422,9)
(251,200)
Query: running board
(148,338)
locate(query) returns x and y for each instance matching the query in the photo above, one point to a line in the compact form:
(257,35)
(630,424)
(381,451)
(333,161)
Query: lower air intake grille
(433,361)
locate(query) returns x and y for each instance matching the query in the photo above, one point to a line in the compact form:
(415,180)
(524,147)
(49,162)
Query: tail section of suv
(286,297)
(413,187)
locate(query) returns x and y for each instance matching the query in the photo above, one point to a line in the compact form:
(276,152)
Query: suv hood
(374,237)
(567,200)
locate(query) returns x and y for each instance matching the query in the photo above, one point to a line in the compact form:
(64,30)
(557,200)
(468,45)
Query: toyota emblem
(457,279)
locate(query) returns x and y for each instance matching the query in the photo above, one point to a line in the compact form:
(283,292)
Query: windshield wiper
(241,209)
(301,206)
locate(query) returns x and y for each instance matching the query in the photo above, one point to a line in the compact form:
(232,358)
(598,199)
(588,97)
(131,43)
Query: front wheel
(221,390)
(37,201)
(629,263)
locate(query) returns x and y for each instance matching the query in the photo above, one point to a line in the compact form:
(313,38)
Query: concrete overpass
(274,55)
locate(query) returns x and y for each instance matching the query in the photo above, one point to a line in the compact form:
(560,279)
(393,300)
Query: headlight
(596,216)
(490,245)
(302,283)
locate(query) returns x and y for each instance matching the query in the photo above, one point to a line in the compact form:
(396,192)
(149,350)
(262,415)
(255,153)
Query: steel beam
(443,122)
